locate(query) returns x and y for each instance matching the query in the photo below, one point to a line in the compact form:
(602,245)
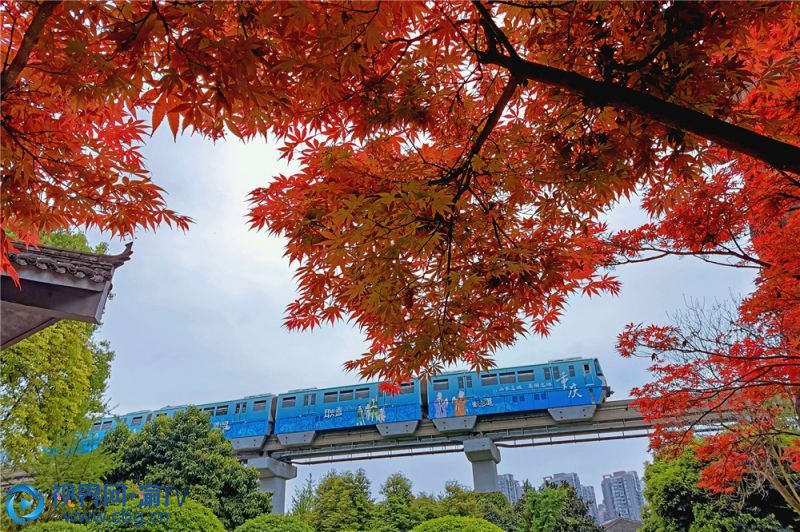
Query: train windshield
(597,368)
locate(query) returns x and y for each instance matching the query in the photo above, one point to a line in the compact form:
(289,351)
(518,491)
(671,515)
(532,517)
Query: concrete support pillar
(273,475)
(485,456)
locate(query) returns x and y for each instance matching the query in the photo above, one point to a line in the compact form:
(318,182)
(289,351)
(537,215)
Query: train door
(309,403)
(575,376)
(586,374)
(589,379)
(240,412)
(465,384)
(550,376)
(439,399)
(575,384)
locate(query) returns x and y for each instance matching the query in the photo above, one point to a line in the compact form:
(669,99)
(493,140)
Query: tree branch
(29,40)
(777,154)
(494,117)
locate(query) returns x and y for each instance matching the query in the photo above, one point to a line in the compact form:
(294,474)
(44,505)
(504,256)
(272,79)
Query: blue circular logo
(34,498)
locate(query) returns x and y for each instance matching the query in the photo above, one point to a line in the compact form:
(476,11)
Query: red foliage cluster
(717,372)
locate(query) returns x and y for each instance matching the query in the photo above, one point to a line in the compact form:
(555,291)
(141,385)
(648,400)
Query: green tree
(185,452)
(303,500)
(425,507)
(52,382)
(342,502)
(274,523)
(54,526)
(191,516)
(553,509)
(74,241)
(116,440)
(457,524)
(459,500)
(675,502)
(65,464)
(496,509)
(709,519)
(394,513)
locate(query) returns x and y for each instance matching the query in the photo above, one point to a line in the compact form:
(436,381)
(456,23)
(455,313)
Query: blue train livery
(345,407)
(559,384)
(569,389)
(135,421)
(241,418)
(246,422)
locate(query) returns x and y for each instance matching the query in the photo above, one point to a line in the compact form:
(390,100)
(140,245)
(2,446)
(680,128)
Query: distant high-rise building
(584,492)
(601,513)
(587,494)
(509,487)
(622,495)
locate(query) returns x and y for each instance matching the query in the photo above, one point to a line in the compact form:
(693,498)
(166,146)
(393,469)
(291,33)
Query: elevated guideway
(612,420)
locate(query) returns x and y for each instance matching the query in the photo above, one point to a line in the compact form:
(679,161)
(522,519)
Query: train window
(362,393)
(586,369)
(330,397)
(222,410)
(310,399)
(440,384)
(107,424)
(489,379)
(465,382)
(162,414)
(525,376)
(241,408)
(407,387)
(546,373)
(97,425)
(556,374)
(597,368)
(507,378)
(135,422)
(571,370)
(209,409)
(289,402)
(260,405)
(346,395)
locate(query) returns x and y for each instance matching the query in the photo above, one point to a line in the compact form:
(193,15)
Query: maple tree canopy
(457,158)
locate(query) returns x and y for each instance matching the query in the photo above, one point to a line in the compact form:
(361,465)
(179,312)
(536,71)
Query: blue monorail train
(568,389)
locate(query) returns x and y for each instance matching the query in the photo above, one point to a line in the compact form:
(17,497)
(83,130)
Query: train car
(569,389)
(301,413)
(135,421)
(245,422)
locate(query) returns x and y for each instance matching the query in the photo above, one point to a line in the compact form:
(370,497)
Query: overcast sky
(196,317)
